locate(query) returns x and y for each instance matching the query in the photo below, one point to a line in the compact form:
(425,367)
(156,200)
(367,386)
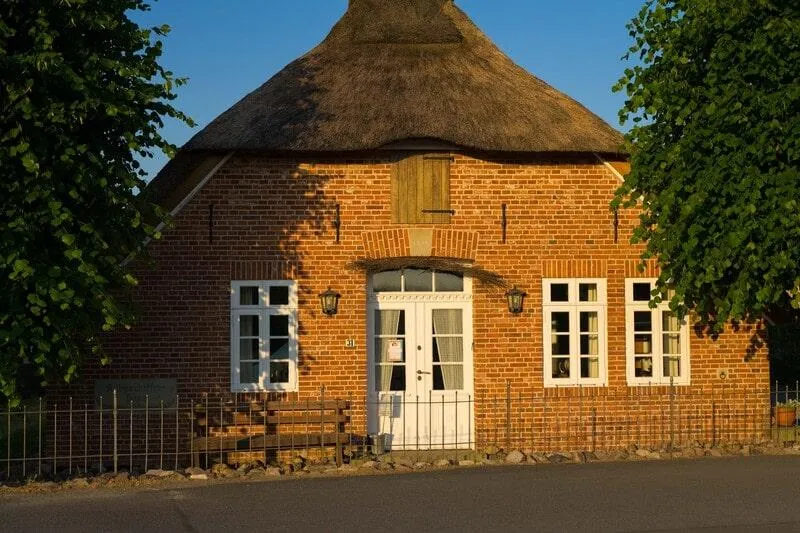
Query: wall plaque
(395,354)
(136,390)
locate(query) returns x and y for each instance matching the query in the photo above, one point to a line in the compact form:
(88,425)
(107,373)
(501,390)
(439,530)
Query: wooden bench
(270,425)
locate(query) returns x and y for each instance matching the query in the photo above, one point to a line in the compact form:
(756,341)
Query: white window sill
(573,385)
(657,383)
(264,389)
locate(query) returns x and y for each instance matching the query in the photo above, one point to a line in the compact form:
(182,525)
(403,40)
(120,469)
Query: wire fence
(42,438)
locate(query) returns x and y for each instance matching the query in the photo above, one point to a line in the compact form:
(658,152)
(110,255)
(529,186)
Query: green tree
(714,97)
(82,97)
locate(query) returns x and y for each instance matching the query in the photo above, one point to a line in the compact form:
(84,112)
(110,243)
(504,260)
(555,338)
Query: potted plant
(786,413)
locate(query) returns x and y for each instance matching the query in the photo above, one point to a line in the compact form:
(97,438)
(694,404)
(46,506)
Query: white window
(263,335)
(419,280)
(657,343)
(574,332)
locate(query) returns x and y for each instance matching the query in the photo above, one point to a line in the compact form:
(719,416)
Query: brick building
(410,166)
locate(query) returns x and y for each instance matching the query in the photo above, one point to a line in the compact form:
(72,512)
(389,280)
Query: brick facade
(272,218)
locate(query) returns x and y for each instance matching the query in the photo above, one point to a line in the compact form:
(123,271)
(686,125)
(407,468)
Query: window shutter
(421,190)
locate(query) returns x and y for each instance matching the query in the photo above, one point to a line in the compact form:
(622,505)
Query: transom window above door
(417,280)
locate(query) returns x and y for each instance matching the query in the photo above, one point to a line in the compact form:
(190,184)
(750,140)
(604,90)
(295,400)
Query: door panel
(392,331)
(448,357)
(425,402)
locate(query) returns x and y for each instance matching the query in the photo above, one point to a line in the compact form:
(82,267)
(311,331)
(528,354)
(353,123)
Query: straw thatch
(406,69)
(441,264)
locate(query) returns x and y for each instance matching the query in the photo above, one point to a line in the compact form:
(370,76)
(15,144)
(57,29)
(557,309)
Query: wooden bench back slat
(283,419)
(287,419)
(301,405)
(258,407)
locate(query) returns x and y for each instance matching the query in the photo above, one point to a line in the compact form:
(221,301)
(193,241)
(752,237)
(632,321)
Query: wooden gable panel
(421,190)
(623,167)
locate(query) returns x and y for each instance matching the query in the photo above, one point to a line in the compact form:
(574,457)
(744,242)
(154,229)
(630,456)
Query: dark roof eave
(270,152)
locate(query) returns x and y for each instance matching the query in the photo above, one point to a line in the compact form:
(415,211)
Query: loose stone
(515,457)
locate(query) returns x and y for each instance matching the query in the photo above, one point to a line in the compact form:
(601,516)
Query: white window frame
(658,378)
(264,310)
(574,307)
(466,290)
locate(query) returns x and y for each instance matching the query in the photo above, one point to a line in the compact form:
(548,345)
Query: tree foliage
(82,96)
(714,97)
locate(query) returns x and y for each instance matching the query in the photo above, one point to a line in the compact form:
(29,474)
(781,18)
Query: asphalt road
(740,494)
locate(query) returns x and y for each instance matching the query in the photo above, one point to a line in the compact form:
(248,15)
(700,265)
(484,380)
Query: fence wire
(45,438)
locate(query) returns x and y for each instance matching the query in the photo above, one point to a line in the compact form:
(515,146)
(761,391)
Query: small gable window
(421,189)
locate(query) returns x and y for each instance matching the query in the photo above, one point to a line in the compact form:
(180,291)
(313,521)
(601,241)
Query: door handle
(420,372)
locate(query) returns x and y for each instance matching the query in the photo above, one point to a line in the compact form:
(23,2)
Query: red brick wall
(273,219)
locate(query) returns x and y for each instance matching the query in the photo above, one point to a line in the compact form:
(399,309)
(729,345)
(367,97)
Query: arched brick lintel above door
(421,242)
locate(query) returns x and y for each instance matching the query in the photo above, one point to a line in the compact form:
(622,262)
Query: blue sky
(227,48)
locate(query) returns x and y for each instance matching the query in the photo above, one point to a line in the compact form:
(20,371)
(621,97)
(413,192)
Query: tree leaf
(81,89)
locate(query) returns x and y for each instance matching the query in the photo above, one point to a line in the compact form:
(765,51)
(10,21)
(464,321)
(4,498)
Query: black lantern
(515,297)
(329,300)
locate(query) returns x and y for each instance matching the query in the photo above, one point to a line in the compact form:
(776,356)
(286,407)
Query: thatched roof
(406,69)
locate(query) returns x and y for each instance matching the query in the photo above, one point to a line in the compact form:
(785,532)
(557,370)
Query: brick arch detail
(651,269)
(453,243)
(597,268)
(267,269)
(397,243)
(575,268)
(386,243)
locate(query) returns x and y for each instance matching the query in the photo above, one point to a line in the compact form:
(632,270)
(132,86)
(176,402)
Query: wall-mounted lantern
(329,300)
(515,298)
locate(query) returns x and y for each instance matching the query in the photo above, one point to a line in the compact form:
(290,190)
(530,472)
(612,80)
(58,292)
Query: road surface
(737,494)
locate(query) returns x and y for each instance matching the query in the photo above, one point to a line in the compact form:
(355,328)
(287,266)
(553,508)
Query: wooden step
(235,430)
(283,441)
(286,440)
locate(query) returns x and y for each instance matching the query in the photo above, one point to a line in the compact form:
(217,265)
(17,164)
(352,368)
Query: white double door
(421,373)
